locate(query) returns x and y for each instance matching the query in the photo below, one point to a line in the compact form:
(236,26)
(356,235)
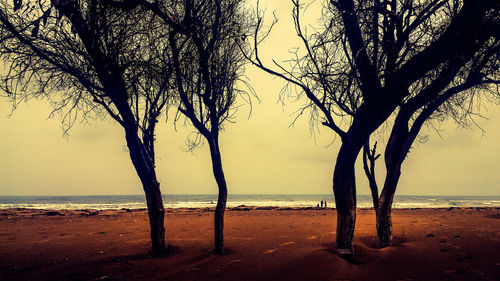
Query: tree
(367,59)
(205,40)
(453,91)
(207,75)
(91,59)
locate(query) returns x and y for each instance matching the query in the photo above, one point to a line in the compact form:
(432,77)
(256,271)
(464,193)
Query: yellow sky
(260,155)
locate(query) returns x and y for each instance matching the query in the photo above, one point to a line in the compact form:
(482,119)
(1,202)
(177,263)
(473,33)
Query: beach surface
(263,244)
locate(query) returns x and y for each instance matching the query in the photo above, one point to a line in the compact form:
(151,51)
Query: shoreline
(239,208)
(235,200)
(276,244)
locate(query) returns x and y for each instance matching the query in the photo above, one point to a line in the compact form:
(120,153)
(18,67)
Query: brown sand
(430,244)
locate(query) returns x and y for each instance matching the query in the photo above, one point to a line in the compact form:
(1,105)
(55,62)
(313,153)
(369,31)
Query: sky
(262,154)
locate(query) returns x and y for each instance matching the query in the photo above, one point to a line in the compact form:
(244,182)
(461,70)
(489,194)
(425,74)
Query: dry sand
(430,244)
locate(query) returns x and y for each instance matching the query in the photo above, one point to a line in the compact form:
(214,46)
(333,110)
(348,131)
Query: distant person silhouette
(325,203)
(321,203)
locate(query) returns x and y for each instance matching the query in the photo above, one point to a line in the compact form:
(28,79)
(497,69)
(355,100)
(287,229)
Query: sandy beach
(271,244)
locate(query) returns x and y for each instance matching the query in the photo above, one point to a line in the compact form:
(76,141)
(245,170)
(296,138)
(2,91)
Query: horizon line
(215,194)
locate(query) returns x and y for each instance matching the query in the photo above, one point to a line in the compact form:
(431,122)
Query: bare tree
(207,73)
(454,91)
(367,59)
(93,60)
(205,39)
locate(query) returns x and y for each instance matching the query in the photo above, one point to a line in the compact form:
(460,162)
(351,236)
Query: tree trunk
(384,228)
(397,148)
(222,198)
(116,90)
(344,188)
(156,214)
(384,218)
(144,167)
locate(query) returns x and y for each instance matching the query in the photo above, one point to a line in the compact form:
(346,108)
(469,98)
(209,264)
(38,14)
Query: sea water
(234,200)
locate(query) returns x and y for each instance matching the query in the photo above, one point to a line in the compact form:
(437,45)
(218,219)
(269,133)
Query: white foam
(253,201)
(72,206)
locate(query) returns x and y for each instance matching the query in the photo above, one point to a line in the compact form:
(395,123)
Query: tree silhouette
(94,60)
(453,91)
(367,59)
(205,40)
(207,69)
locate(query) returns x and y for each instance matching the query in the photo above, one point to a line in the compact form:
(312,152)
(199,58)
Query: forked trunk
(144,167)
(367,120)
(222,198)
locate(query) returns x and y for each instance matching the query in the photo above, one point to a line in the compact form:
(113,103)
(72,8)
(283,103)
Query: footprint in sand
(270,251)
(287,243)
(312,237)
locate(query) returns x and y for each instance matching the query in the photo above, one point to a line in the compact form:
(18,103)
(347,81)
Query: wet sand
(273,244)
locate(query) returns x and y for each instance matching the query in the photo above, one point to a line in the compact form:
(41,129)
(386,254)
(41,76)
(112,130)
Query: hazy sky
(260,155)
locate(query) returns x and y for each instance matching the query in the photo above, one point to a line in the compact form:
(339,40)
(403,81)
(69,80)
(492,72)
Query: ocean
(234,200)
